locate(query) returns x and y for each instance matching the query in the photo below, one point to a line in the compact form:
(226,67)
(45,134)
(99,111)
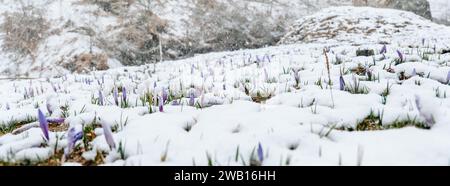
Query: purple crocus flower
(414,73)
(124,94)
(400,55)
(100,98)
(56,120)
(383,50)
(108,135)
(165,95)
(72,138)
(161,105)
(116,97)
(260,153)
(342,83)
(43,124)
(192,99)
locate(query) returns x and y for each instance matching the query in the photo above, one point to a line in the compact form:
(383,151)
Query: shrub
(24,31)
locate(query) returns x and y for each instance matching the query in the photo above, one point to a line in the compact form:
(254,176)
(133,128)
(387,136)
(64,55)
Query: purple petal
(165,95)
(56,120)
(108,135)
(161,105)
(260,153)
(72,138)
(414,73)
(192,99)
(43,124)
(383,50)
(342,83)
(124,94)
(116,96)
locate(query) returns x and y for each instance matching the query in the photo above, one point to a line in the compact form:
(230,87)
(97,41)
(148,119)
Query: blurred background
(54,37)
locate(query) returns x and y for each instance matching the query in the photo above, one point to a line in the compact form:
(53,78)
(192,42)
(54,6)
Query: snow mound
(361,25)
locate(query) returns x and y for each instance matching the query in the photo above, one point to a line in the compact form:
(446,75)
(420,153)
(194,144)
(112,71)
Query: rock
(365,52)
(85,62)
(446,51)
(419,7)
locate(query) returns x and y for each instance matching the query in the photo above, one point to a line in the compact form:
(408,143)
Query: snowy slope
(69,17)
(363,25)
(66,17)
(392,110)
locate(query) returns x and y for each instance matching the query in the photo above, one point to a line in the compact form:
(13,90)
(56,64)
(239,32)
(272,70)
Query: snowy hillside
(342,100)
(84,33)
(364,25)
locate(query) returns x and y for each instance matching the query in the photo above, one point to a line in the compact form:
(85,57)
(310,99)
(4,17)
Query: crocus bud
(43,124)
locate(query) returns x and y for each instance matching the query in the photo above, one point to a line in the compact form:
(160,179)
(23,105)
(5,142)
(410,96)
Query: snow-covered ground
(270,106)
